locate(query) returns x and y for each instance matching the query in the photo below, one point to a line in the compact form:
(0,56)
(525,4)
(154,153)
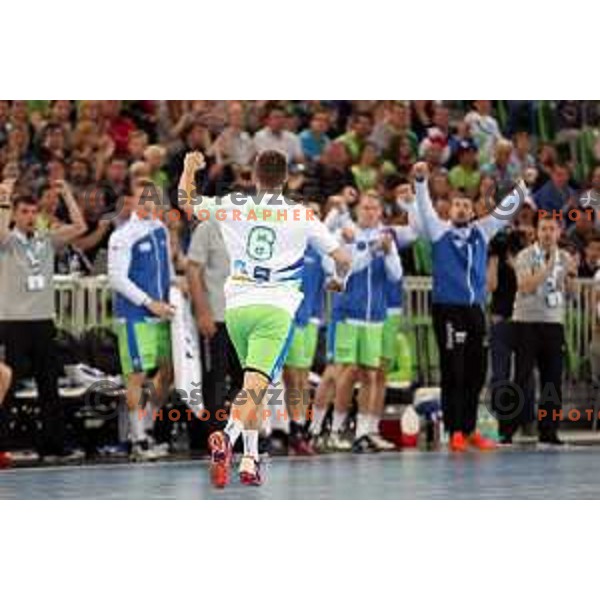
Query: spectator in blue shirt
(314,139)
(555,193)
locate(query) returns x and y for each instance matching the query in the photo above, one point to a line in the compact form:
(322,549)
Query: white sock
(136,426)
(338,420)
(362,425)
(374,424)
(148,421)
(251,443)
(318,414)
(233,429)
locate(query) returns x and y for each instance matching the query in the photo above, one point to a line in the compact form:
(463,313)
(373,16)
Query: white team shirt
(266,237)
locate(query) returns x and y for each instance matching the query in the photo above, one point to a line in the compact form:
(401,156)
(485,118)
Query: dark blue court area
(526,473)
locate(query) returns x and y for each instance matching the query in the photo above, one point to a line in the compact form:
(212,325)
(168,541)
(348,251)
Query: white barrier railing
(84,302)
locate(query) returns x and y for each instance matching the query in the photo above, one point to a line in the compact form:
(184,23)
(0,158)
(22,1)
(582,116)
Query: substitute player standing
(302,350)
(266,237)
(359,313)
(140,272)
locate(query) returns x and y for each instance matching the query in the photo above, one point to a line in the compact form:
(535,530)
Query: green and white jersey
(266,237)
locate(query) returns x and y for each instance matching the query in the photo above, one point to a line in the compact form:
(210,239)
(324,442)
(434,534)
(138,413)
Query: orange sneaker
(481,443)
(458,442)
(220,458)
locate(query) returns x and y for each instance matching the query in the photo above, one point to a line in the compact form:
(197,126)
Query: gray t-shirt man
(26,270)
(547,303)
(208,249)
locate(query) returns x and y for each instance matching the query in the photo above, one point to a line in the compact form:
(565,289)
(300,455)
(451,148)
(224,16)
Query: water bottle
(487,424)
(409,426)
(74,265)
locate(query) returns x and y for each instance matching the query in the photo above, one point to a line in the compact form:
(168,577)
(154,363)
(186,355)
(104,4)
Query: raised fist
(420,170)
(193,162)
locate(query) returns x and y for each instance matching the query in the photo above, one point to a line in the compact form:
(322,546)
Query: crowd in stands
(336,148)
(338,152)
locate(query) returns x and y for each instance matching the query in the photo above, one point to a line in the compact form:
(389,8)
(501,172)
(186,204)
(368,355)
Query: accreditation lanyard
(552,294)
(33,250)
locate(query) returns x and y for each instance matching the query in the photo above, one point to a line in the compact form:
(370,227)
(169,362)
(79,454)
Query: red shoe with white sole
(220,459)
(250,471)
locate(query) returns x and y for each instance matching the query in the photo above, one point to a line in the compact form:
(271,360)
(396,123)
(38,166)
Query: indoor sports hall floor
(570,472)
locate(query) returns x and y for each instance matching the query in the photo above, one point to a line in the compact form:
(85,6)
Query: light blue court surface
(543,474)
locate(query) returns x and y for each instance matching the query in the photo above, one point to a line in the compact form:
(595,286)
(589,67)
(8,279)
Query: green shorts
(358,344)
(391,327)
(303,347)
(143,345)
(261,335)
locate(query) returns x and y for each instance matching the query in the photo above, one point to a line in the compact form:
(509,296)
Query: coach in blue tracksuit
(459,294)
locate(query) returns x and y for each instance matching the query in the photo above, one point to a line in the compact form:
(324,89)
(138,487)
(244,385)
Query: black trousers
(222,378)
(538,345)
(460,332)
(29,348)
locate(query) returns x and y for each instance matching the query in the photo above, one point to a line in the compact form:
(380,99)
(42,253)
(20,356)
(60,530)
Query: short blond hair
(155,149)
(139,169)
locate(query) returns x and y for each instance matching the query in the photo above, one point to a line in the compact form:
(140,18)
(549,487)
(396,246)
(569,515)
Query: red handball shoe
(220,459)
(481,443)
(5,460)
(250,471)
(299,446)
(458,442)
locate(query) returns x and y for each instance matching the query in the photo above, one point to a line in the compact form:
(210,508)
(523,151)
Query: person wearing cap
(465,175)
(503,171)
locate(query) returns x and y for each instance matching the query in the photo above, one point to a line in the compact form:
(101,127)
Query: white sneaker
(161,450)
(336,443)
(381,443)
(142,452)
(87,376)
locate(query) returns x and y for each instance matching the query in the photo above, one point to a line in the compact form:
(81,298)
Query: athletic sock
(233,429)
(148,420)
(339,419)
(136,427)
(318,416)
(362,425)
(374,424)
(251,443)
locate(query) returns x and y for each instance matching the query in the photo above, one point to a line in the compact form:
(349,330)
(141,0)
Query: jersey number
(260,243)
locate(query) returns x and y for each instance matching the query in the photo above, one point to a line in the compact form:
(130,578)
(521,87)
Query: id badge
(553,299)
(36,283)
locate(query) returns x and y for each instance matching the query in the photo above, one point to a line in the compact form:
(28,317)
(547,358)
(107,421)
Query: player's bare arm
(5,212)
(77,227)
(193,162)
